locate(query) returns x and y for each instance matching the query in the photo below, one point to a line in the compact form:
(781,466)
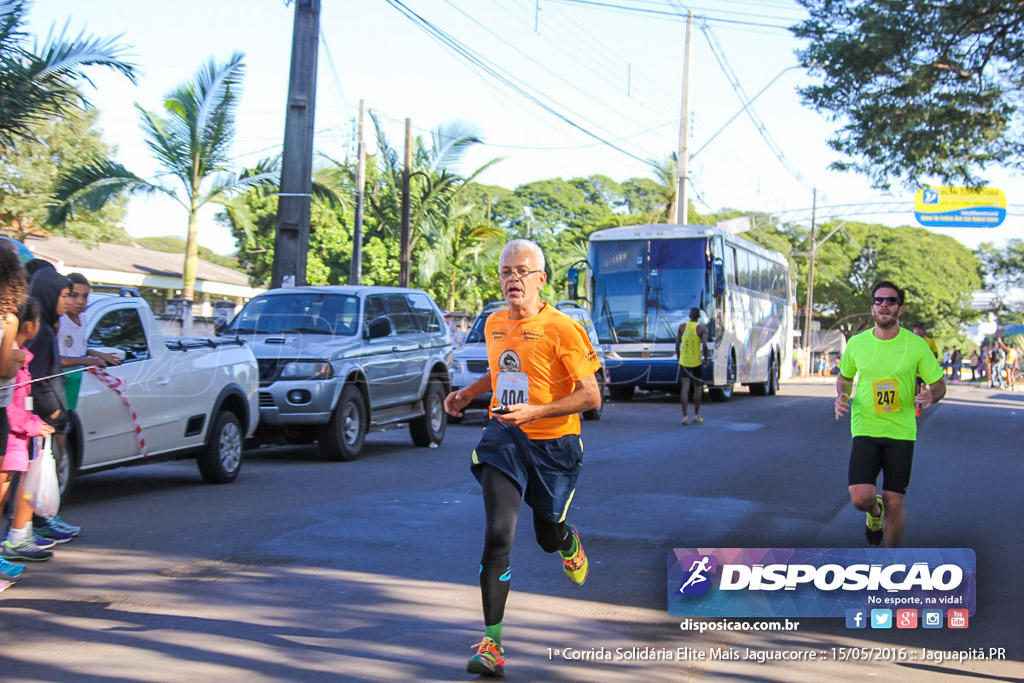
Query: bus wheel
(767,387)
(724,393)
(773,376)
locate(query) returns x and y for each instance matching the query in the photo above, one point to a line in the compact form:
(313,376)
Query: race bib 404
(513,387)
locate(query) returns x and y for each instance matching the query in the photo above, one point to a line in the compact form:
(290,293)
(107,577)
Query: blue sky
(616,74)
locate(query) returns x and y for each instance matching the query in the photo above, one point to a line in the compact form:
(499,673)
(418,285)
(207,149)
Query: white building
(157,275)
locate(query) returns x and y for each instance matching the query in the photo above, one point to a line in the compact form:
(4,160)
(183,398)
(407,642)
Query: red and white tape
(117,384)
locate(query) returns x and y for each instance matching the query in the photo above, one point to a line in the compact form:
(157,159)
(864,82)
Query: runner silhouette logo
(698,567)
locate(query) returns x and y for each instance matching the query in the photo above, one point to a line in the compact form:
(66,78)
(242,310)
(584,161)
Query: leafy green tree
(36,87)
(192,145)
(938,273)
(1003,270)
(922,89)
(29,172)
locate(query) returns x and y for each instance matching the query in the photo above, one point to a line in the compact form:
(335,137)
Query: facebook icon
(856,618)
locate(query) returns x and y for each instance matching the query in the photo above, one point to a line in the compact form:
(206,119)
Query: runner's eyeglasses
(888,300)
(520,273)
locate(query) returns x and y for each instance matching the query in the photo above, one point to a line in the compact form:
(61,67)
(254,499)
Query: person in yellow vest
(691,339)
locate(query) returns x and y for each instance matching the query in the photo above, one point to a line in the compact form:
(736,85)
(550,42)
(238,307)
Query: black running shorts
(545,470)
(870,455)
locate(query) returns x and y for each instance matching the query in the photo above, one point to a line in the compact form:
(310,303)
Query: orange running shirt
(552,350)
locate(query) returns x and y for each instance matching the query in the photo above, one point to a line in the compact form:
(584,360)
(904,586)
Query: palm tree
(191,145)
(37,87)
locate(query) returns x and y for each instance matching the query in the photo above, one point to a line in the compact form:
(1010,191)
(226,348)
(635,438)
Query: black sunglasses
(889,300)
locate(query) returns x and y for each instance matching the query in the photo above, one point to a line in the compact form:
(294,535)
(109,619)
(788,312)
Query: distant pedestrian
(975,362)
(956,360)
(997,358)
(693,355)
(1010,363)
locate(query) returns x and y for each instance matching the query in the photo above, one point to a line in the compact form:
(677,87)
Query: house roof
(70,255)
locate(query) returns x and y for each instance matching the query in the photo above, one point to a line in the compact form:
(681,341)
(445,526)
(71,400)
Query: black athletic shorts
(696,373)
(870,455)
(545,470)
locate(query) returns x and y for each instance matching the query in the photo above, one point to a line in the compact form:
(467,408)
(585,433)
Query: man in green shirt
(886,362)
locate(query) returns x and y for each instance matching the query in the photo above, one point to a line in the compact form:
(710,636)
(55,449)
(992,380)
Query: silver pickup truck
(169,398)
(335,361)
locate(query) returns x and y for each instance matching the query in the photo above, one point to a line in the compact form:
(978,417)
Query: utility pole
(682,200)
(355,271)
(403,272)
(291,242)
(810,282)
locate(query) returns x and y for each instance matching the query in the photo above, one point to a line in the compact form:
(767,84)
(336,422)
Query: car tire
(221,458)
(341,439)
(595,413)
(621,393)
(65,463)
(430,427)
(773,376)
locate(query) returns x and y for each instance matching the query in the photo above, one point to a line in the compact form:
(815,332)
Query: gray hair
(518,245)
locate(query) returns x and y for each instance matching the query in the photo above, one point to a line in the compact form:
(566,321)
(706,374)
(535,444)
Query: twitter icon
(881,618)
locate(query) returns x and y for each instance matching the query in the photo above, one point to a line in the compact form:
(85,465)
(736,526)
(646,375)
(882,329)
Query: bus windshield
(643,290)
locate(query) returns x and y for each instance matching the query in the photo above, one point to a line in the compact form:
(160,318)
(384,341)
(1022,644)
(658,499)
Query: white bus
(643,281)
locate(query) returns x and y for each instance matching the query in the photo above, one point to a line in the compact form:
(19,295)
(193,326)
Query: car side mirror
(378,327)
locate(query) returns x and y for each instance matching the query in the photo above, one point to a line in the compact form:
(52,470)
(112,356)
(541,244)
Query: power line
(762,129)
(480,62)
(672,15)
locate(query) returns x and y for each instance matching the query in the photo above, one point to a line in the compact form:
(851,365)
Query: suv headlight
(306,369)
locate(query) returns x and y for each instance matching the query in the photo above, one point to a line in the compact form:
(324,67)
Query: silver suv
(335,361)
(470,359)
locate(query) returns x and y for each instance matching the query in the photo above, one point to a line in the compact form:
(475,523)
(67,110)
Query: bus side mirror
(719,268)
(573,283)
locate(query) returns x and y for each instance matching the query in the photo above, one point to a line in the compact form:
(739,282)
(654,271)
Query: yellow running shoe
(697,419)
(874,525)
(576,567)
(489,659)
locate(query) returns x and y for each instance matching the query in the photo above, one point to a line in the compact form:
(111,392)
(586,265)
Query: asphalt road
(308,570)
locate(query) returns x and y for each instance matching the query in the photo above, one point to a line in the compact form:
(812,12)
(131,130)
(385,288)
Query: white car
(169,398)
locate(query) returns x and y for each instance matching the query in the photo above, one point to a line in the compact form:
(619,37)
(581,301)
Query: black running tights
(501,506)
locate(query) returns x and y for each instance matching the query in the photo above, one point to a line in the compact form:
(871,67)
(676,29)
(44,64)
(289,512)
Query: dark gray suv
(335,361)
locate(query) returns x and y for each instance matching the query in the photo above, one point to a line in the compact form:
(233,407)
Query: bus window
(730,265)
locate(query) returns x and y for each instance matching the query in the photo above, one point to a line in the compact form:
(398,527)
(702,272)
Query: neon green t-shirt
(886,373)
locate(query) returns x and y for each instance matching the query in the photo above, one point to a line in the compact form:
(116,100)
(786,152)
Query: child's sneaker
(42,541)
(9,570)
(489,659)
(26,550)
(52,532)
(64,526)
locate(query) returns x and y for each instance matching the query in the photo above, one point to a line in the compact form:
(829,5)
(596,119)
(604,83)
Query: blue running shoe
(42,541)
(51,531)
(26,550)
(9,570)
(64,526)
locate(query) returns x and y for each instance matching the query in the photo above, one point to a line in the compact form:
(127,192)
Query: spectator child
(53,293)
(12,294)
(24,424)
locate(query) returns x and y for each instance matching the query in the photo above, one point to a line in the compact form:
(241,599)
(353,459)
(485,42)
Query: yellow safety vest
(689,347)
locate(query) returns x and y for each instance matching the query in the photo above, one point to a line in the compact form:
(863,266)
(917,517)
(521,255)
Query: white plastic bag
(42,490)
